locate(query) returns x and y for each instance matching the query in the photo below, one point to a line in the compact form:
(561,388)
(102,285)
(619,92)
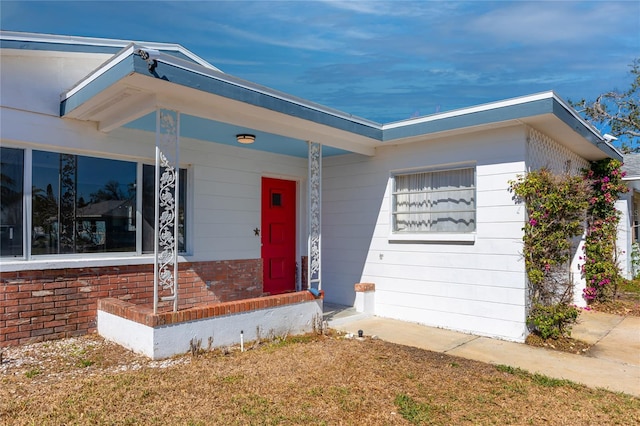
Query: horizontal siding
(444,318)
(424,265)
(471,303)
(28,83)
(227,191)
(480,287)
(225,181)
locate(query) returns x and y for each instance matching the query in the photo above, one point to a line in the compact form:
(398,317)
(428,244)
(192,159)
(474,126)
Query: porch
(205,327)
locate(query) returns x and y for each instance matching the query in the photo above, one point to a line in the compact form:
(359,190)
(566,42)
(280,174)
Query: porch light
(246,139)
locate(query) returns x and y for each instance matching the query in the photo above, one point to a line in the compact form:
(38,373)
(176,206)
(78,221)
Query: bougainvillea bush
(558,206)
(556,212)
(600,266)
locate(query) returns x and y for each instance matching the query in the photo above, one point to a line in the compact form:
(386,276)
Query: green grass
(539,379)
(411,410)
(33,373)
(630,286)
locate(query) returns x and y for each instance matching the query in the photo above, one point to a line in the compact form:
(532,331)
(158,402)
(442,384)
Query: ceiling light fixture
(246,139)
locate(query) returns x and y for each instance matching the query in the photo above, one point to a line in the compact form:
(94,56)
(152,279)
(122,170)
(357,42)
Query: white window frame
(430,236)
(29,261)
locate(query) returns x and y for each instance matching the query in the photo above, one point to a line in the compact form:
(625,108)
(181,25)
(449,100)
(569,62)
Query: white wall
(34,80)
(624,241)
(166,341)
(478,287)
(224,181)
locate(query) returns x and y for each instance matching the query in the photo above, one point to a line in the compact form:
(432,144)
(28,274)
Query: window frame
(464,237)
(100,258)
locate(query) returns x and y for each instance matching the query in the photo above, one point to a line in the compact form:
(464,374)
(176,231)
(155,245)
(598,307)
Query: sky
(380,60)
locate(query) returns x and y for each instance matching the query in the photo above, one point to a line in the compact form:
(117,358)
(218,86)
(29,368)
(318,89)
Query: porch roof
(126,90)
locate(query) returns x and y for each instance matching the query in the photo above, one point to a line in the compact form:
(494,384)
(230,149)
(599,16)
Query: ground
(625,302)
(315,379)
(564,344)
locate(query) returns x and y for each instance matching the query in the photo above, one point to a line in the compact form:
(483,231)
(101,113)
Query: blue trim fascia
(76,48)
(570,120)
(222,87)
(225,86)
(104,81)
(57,47)
(495,115)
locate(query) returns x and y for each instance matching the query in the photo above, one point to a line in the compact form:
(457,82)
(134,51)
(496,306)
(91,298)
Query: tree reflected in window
(11,218)
(82,204)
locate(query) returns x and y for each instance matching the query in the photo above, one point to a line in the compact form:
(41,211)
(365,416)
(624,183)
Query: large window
(436,201)
(11,201)
(80,204)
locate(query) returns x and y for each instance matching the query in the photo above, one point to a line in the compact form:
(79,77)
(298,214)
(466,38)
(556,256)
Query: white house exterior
(420,208)
(629,207)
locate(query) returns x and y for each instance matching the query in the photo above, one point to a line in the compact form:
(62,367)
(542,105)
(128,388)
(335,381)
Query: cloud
(544,23)
(379,59)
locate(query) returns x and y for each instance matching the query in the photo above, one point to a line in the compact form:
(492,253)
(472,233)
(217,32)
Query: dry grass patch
(313,380)
(625,302)
(562,343)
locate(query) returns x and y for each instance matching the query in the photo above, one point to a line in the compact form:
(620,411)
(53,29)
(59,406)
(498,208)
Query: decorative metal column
(165,274)
(313,210)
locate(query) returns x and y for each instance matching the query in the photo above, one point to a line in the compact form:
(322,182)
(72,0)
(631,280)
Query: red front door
(279,235)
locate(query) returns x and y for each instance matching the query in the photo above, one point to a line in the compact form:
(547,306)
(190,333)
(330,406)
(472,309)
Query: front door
(279,235)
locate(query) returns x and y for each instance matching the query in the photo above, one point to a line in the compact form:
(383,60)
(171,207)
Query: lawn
(299,380)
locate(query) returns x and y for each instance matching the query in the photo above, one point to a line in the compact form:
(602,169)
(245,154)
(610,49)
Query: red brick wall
(56,303)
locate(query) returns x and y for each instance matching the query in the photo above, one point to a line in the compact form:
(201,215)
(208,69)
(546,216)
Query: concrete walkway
(613,362)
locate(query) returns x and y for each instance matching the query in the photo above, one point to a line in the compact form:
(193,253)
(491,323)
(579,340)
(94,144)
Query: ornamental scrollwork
(166,161)
(314,207)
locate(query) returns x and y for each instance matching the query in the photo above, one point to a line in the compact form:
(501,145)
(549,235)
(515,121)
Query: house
(628,228)
(264,194)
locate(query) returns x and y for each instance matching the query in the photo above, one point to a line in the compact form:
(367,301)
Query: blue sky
(384,61)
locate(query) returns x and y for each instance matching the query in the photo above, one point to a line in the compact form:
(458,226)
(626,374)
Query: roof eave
(107,96)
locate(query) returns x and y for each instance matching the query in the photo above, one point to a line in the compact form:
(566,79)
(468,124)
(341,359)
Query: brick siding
(57,303)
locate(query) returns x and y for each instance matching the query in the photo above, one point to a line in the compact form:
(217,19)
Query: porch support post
(165,274)
(314,270)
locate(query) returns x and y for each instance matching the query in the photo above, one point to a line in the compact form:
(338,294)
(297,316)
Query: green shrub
(553,320)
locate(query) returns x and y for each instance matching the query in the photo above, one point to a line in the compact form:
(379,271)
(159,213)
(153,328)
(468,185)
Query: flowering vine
(556,210)
(600,267)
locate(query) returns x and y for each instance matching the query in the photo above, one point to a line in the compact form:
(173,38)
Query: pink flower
(533,222)
(589,293)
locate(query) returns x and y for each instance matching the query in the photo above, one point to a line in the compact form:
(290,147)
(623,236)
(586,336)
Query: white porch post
(314,270)
(165,274)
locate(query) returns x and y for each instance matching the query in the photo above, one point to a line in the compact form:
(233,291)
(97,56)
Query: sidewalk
(613,362)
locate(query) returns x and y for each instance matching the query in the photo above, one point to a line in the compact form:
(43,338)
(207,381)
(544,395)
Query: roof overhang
(545,112)
(127,88)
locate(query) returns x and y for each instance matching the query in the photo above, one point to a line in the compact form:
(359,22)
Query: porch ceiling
(215,107)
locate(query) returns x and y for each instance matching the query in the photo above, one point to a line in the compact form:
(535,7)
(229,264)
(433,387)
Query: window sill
(71,261)
(445,238)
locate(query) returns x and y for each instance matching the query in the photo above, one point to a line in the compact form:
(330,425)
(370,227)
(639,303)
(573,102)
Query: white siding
(34,80)
(477,287)
(625,234)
